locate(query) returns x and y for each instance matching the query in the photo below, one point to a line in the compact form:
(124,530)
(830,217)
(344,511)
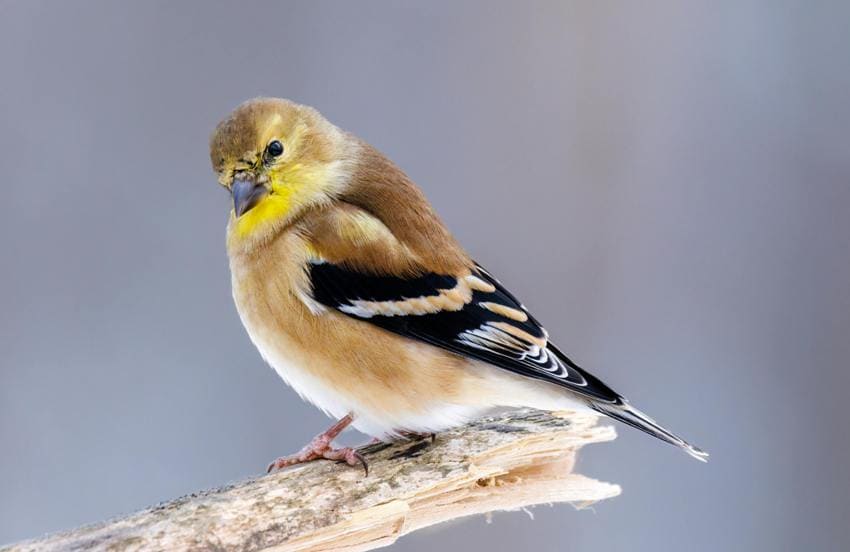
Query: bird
(355,292)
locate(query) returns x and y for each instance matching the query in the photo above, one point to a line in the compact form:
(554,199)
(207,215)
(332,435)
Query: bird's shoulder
(346,234)
(377,187)
(364,237)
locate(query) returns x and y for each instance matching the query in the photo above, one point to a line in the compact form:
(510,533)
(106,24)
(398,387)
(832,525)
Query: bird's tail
(630,415)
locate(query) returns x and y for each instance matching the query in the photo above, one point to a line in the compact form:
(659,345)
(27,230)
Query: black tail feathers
(630,415)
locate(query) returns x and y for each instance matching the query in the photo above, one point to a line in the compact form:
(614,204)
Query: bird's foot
(312,452)
(320,448)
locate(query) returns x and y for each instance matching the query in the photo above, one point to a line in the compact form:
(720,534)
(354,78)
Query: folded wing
(471,315)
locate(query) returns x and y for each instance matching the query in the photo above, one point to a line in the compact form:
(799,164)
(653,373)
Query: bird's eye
(274,149)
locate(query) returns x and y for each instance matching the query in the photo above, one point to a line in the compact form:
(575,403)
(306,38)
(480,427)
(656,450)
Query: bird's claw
(352,457)
(323,451)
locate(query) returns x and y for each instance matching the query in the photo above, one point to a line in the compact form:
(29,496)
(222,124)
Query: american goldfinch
(358,296)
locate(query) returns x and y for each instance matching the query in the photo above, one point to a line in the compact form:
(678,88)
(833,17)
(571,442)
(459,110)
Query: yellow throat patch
(292,187)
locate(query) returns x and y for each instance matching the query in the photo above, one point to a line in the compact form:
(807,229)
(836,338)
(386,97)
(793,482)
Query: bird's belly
(379,410)
(321,393)
(388,383)
(382,409)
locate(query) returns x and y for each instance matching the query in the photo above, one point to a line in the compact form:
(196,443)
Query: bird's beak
(246,195)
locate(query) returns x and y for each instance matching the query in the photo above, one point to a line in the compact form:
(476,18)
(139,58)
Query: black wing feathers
(334,285)
(474,331)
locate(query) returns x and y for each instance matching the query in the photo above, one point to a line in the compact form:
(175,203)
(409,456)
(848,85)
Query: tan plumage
(346,280)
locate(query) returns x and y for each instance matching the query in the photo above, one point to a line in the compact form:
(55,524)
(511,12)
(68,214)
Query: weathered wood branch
(502,463)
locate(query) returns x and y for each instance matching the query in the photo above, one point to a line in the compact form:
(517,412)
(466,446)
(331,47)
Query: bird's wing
(471,315)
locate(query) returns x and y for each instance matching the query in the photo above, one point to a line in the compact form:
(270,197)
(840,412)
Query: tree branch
(503,463)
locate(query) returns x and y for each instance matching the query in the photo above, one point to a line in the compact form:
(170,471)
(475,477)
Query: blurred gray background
(666,184)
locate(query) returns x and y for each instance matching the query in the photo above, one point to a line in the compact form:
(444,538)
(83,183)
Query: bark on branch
(502,463)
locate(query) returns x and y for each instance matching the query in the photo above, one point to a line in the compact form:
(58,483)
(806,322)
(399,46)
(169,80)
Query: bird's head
(277,158)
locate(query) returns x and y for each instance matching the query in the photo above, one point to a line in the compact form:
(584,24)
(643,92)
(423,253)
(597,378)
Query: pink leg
(320,447)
